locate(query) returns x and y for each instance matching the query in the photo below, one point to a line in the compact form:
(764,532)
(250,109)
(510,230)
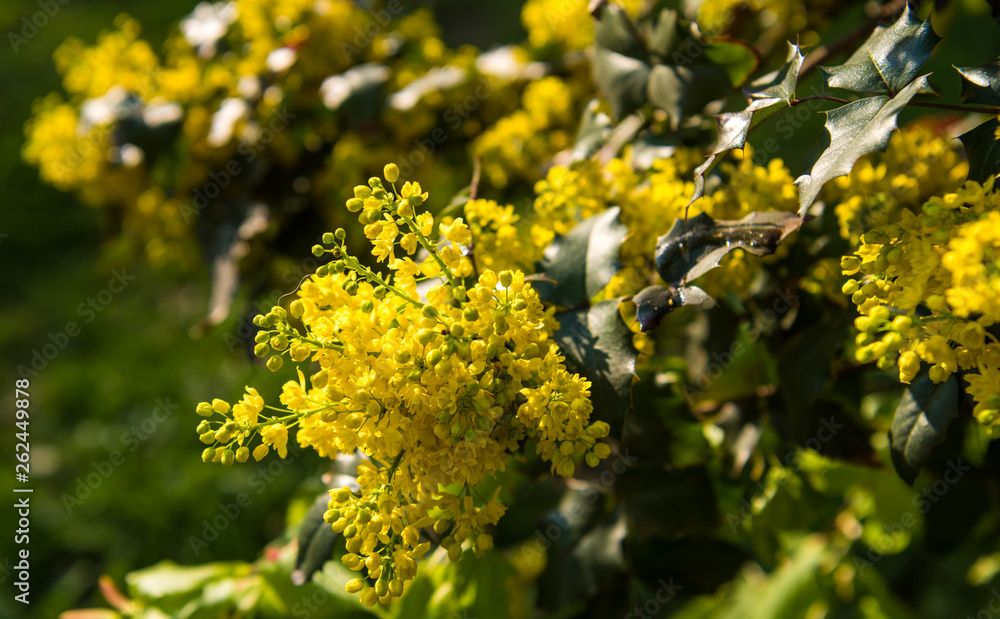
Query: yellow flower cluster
(928,289)
(564,24)
(163,140)
(434,372)
(917,164)
(519,144)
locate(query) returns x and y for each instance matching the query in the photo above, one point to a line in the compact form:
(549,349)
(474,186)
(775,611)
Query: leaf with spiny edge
(981,84)
(983,150)
(694,246)
(856,129)
(653,303)
(664,61)
(598,345)
(767,95)
(889,60)
(579,264)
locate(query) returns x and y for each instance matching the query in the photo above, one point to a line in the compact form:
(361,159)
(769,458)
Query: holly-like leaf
(621,80)
(983,150)
(767,95)
(655,302)
(920,423)
(855,130)
(700,173)
(613,31)
(621,65)
(685,90)
(598,345)
(694,246)
(579,264)
(889,60)
(981,84)
(664,61)
(594,130)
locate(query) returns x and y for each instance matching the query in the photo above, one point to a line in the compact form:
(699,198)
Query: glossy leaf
(983,150)
(598,345)
(767,95)
(855,130)
(579,264)
(889,60)
(981,84)
(655,302)
(921,421)
(694,246)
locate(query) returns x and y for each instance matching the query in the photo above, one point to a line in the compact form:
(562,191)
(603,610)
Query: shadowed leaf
(579,264)
(983,150)
(694,246)
(598,345)
(920,422)
(655,302)
(855,130)
(981,84)
(621,79)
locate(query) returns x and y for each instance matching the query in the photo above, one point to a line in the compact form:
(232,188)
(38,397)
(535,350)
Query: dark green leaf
(889,60)
(696,245)
(981,84)
(664,34)
(316,537)
(983,150)
(598,345)
(685,90)
(621,80)
(921,421)
(594,130)
(655,302)
(315,541)
(579,264)
(767,95)
(700,173)
(855,129)
(613,31)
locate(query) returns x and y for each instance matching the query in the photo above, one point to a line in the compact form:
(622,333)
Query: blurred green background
(129,381)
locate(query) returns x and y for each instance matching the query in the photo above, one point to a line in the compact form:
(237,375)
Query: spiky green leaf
(889,60)
(855,130)
(694,246)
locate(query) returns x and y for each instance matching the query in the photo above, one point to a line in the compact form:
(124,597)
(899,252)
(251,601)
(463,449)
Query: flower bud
(391,172)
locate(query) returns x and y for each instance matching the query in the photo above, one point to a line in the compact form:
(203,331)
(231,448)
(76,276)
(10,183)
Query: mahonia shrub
(437,387)
(927,287)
